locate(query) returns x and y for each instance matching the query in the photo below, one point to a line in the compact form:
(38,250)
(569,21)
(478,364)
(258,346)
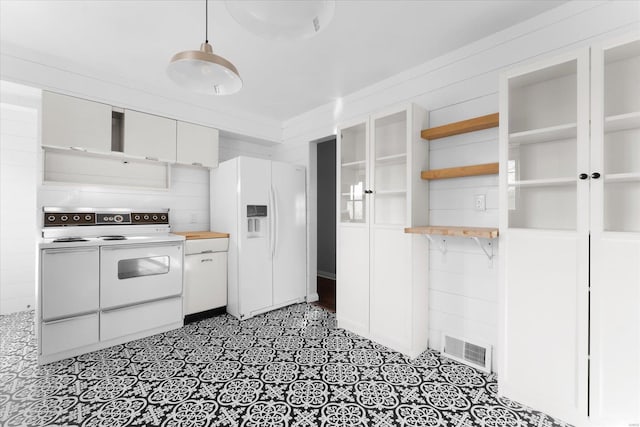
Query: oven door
(131,274)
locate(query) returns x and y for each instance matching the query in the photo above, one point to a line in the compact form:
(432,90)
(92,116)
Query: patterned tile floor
(291,367)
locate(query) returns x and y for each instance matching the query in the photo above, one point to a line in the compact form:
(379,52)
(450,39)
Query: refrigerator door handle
(272,226)
(275,221)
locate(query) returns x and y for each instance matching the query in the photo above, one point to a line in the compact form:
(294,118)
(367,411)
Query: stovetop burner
(70,239)
(112,237)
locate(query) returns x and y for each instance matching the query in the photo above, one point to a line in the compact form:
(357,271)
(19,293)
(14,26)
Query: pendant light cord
(206,21)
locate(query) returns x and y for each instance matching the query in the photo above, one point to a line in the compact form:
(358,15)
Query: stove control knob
(136,217)
(76,217)
(51,218)
(118,218)
(146,217)
(163,217)
(63,218)
(87,217)
(155,217)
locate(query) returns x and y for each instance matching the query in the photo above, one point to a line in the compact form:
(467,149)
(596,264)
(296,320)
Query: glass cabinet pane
(390,169)
(353,173)
(543,148)
(621,139)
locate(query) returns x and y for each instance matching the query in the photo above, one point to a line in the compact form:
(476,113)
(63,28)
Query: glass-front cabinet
(353,173)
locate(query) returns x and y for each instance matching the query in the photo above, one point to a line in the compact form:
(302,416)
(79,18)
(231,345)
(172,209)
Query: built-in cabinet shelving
(382,272)
(464,126)
(570,230)
(87,142)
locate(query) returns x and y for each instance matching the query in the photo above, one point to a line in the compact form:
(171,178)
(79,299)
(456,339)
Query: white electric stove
(106,276)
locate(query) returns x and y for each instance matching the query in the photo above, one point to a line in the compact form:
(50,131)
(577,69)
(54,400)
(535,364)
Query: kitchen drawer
(137,318)
(206,245)
(67,334)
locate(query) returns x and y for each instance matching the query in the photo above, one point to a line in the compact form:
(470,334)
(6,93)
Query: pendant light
(203,71)
(282,19)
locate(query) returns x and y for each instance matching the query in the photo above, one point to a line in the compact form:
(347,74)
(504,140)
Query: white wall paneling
(18,172)
(457,86)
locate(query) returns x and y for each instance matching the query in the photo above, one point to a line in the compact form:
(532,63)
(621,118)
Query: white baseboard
(313,297)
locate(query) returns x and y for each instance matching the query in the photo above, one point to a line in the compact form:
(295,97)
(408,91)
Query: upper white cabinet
(570,227)
(71,122)
(197,145)
(381,271)
(149,136)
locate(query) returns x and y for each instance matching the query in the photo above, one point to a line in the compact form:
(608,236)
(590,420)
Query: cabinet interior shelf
(622,122)
(482,232)
(354,164)
(622,177)
(551,182)
(461,171)
(389,192)
(464,126)
(395,158)
(552,133)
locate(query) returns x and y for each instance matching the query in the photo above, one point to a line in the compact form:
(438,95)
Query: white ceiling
(132,41)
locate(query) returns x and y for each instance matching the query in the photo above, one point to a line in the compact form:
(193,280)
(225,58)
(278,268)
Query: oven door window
(139,267)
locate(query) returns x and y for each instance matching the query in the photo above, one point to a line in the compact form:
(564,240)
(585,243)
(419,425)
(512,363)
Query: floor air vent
(472,354)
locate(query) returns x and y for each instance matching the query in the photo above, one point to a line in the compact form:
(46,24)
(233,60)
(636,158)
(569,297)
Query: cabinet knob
(583,176)
(595,175)
(368,191)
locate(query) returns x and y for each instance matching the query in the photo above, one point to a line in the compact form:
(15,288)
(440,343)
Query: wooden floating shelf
(483,232)
(460,171)
(464,126)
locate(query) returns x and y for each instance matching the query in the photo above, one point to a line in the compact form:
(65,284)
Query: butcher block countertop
(192,235)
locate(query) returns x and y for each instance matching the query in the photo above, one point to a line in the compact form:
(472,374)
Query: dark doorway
(326,167)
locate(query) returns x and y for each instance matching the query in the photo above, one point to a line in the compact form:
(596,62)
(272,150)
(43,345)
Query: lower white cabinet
(137,318)
(67,334)
(205,274)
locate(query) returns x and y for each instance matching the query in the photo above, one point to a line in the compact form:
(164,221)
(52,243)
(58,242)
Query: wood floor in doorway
(327,293)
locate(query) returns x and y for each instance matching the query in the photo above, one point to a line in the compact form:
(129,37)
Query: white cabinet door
(74,122)
(197,145)
(205,281)
(352,272)
(69,282)
(149,136)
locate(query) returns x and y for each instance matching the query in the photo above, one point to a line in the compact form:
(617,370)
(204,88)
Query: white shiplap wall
(18,171)
(462,84)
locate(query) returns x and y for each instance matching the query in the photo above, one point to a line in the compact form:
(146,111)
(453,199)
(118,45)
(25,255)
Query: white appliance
(106,276)
(262,204)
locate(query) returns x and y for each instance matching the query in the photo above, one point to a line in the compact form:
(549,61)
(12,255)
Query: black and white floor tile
(291,367)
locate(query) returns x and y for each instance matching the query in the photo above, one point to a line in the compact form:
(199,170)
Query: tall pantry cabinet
(381,288)
(570,225)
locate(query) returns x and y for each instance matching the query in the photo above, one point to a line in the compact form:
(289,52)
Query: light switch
(480,202)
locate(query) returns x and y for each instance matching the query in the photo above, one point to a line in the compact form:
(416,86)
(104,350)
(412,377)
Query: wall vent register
(472,354)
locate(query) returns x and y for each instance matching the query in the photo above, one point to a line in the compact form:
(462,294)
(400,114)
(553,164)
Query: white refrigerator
(262,204)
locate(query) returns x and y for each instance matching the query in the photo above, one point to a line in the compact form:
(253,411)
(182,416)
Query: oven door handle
(69,250)
(121,247)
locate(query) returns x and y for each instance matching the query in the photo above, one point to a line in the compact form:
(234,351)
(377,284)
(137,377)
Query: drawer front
(138,273)
(130,320)
(69,282)
(197,246)
(67,334)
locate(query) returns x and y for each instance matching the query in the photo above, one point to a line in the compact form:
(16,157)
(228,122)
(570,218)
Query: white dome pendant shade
(203,71)
(282,19)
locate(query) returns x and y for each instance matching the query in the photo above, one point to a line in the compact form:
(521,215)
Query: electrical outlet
(480,202)
(194,218)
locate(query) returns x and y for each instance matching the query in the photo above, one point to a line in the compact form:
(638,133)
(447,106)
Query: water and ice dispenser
(256,220)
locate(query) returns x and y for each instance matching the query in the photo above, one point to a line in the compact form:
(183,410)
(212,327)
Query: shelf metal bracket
(442,245)
(486,252)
